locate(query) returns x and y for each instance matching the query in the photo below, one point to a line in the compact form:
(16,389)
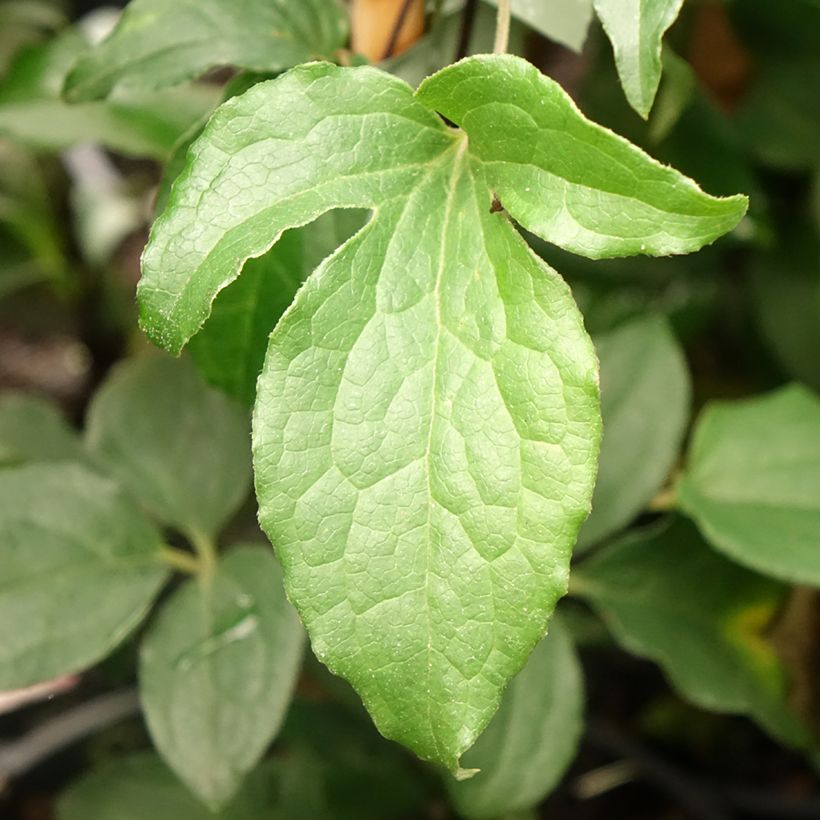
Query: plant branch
(502,27)
(401,18)
(465,33)
(64,730)
(697,799)
(182,561)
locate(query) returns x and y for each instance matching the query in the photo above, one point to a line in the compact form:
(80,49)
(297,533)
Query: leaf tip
(464,774)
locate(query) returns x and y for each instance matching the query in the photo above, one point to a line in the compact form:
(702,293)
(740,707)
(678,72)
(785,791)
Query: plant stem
(181,560)
(205,550)
(397,27)
(502,27)
(45,740)
(466,31)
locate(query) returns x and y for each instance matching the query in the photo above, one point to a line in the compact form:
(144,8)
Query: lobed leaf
(81,567)
(217,671)
(180,447)
(636,28)
(157,43)
(753,482)
(427,419)
(669,598)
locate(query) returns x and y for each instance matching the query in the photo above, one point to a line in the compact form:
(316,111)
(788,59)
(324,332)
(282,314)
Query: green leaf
(753,482)
(157,43)
(141,786)
(676,94)
(134,123)
(177,445)
(533,737)
(217,671)
(566,22)
(32,429)
(427,422)
(778,119)
(668,597)
(80,565)
(230,350)
(786,299)
(645,396)
(636,28)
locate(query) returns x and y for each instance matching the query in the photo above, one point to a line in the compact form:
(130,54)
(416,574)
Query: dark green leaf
(217,671)
(532,738)
(645,397)
(230,349)
(181,447)
(157,43)
(668,597)
(753,482)
(32,429)
(80,569)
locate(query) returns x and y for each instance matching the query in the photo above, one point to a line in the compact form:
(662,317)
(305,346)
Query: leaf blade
(231,632)
(180,447)
(69,536)
(155,45)
(566,179)
(753,482)
(636,28)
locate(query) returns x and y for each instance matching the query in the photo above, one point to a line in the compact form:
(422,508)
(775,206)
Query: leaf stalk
(502,27)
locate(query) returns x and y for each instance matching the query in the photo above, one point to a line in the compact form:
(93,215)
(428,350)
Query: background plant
(700,550)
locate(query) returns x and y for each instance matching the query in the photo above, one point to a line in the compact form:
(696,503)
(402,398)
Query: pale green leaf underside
(533,736)
(670,598)
(636,28)
(80,569)
(565,22)
(427,421)
(180,447)
(217,671)
(159,43)
(753,482)
(645,396)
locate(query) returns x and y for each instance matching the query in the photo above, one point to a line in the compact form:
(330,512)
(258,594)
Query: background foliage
(680,674)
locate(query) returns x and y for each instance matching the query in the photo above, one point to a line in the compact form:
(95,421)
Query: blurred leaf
(533,737)
(158,44)
(230,349)
(645,397)
(753,482)
(675,94)
(668,597)
(135,123)
(565,22)
(779,118)
(140,787)
(786,293)
(350,771)
(785,28)
(181,447)
(636,28)
(217,671)
(33,429)
(81,566)
(23,22)
(29,227)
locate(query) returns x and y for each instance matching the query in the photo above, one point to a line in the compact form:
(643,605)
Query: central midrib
(454,175)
